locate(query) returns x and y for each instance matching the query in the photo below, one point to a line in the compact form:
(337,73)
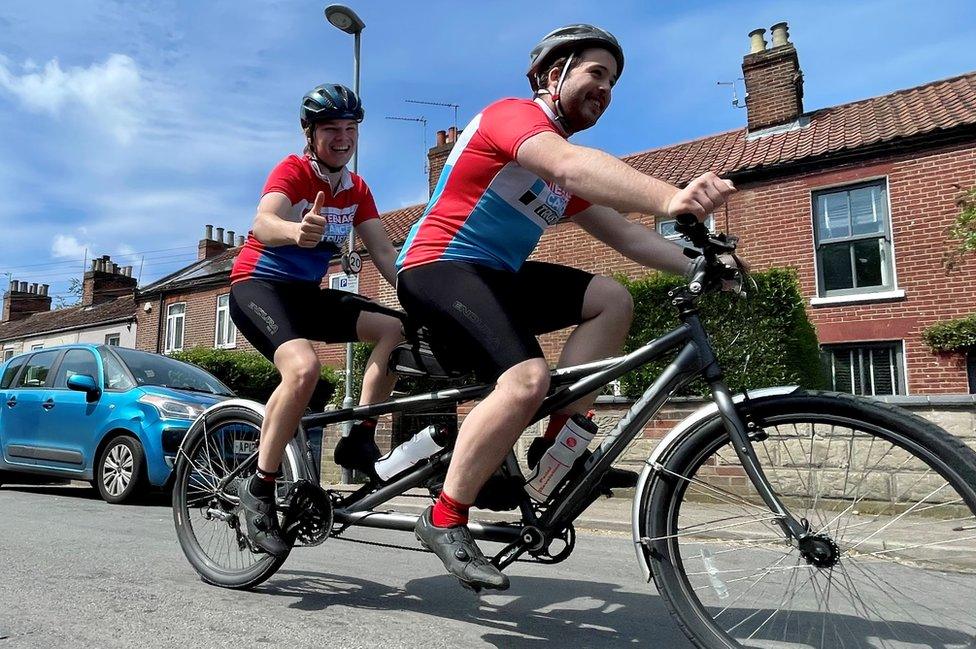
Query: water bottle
(419,447)
(570,443)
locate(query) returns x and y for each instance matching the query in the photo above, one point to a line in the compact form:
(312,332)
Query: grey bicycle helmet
(330,101)
(568,40)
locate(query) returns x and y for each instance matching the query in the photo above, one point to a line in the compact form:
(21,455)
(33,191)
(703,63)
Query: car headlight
(171,408)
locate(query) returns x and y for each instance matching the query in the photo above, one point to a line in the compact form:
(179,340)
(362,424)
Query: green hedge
(952,335)
(771,327)
(252,376)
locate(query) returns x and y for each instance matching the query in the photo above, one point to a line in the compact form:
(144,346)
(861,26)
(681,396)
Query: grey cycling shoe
(455,547)
(261,519)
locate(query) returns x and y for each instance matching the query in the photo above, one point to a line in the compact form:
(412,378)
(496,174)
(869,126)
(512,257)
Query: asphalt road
(78,572)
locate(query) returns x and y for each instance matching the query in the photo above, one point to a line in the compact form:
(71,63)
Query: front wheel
(209,522)
(121,473)
(889,499)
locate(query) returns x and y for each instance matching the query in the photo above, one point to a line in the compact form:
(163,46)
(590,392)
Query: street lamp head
(344,18)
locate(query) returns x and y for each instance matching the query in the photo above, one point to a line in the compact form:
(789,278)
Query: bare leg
(608,310)
(386,333)
(491,429)
(299,368)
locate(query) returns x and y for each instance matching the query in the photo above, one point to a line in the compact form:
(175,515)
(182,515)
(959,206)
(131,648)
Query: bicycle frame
(694,357)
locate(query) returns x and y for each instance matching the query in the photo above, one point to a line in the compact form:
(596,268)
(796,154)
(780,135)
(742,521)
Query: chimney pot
(781,34)
(452,134)
(756,41)
(32,288)
(230,237)
(208,235)
(44,289)
(240,240)
(220,235)
(441,138)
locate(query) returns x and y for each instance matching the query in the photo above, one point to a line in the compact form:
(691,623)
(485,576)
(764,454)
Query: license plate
(245,447)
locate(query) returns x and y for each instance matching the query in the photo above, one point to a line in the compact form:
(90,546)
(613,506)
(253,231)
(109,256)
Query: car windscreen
(153,369)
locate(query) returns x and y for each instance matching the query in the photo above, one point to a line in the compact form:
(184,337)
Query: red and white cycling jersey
(298,179)
(487,209)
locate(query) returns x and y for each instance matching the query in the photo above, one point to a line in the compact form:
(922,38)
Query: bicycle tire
(686,477)
(190,503)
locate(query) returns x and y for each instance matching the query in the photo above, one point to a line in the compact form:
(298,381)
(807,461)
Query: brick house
(105,315)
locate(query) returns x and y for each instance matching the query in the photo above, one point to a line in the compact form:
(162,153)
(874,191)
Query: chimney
(105,282)
(20,301)
(438,155)
(212,245)
(774,81)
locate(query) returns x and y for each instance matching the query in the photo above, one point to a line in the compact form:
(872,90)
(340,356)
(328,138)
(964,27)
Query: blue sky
(128,125)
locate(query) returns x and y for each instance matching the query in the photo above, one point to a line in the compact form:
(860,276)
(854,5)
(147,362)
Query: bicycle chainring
(308,514)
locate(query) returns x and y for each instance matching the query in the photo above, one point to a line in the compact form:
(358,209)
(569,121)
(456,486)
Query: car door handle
(11,402)
(47,405)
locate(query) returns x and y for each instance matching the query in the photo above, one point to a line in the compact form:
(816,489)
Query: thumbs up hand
(312,226)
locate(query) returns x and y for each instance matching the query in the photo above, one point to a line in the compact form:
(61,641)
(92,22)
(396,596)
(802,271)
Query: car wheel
(121,471)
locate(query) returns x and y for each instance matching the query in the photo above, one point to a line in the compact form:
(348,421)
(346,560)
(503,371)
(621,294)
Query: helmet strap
(555,96)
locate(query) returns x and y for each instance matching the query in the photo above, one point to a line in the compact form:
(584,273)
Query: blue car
(109,415)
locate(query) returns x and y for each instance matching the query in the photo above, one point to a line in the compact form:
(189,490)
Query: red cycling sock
(556,422)
(449,512)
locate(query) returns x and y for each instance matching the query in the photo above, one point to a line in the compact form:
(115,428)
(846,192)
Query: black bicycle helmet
(570,39)
(330,101)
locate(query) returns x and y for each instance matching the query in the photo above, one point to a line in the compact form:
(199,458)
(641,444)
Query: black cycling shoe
(358,451)
(457,550)
(612,479)
(262,520)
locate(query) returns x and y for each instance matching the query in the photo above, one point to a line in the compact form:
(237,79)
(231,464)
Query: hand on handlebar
(701,197)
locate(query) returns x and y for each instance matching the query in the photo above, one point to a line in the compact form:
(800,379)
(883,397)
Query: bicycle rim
(213,532)
(893,560)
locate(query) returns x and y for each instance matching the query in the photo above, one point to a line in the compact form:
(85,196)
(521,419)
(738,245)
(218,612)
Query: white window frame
(659,225)
(37,346)
(225,337)
(171,320)
(7,354)
(888,290)
(116,337)
(899,366)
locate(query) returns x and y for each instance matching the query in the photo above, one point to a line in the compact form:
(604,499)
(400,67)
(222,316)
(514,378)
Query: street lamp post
(345,19)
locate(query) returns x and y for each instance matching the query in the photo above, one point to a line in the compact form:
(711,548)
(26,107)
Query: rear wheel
(890,499)
(209,522)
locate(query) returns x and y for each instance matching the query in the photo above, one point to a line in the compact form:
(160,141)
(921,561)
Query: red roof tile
(119,309)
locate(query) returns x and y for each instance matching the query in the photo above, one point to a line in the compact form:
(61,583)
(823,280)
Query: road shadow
(151,498)
(539,612)
(535,612)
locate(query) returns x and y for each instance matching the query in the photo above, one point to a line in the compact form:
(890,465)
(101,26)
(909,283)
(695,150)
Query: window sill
(838,300)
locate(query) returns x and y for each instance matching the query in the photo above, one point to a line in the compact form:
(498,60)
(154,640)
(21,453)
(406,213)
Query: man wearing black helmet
(308,207)
(462,270)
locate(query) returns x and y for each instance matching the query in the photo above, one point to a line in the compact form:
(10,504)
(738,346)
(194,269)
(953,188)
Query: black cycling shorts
(270,314)
(487,319)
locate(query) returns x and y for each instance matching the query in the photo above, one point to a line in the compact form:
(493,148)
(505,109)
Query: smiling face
(586,90)
(334,141)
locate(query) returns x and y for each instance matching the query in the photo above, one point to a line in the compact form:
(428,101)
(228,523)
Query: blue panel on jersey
(495,235)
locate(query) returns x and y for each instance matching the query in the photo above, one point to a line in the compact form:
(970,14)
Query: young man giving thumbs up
(308,207)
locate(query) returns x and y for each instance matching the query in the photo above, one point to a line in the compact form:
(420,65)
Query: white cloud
(65,245)
(105,92)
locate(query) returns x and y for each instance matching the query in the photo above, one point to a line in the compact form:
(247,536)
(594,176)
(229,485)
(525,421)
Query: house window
(667,228)
(36,347)
(175,317)
(865,369)
(113,339)
(226,331)
(8,354)
(853,240)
